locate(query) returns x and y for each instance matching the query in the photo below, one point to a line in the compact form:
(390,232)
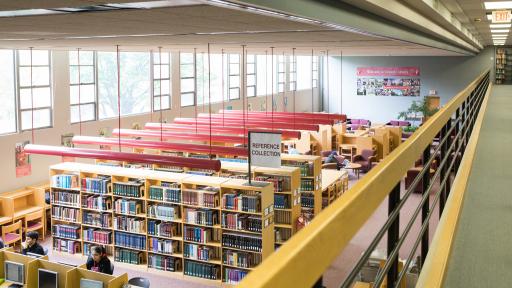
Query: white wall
(447,75)
(61,124)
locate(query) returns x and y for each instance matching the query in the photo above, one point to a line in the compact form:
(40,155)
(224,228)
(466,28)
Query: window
(315,71)
(292,73)
(216,77)
(82,92)
(263,75)
(7,92)
(34,84)
(161,81)
(188,79)
(251,75)
(234,76)
(135,83)
(303,72)
(280,73)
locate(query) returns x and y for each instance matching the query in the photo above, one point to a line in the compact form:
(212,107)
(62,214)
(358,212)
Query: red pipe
(123,156)
(181,136)
(341,117)
(184,147)
(277,118)
(286,134)
(251,124)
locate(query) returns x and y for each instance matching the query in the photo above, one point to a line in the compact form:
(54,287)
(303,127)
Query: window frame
(237,73)
(281,84)
(292,70)
(254,74)
(193,77)
(95,83)
(315,60)
(15,94)
(154,79)
(19,110)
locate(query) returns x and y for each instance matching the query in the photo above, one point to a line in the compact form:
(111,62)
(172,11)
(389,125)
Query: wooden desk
(25,201)
(7,283)
(347,150)
(354,167)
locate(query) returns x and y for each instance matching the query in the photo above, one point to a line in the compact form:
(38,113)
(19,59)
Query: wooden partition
(118,282)
(18,258)
(109,281)
(361,142)
(6,211)
(62,270)
(24,201)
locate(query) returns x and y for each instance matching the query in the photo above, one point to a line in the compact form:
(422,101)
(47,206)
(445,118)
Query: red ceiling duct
(310,115)
(202,128)
(267,117)
(169,146)
(123,156)
(249,124)
(179,136)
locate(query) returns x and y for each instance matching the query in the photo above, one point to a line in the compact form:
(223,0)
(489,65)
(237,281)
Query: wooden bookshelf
(333,185)
(164,226)
(310,180)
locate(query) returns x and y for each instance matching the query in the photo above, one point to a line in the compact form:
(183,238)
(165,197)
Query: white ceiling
(184,27)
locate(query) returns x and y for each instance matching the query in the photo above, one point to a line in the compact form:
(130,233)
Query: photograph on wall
(388,87)
(23,165)
(66,140)
(388,81)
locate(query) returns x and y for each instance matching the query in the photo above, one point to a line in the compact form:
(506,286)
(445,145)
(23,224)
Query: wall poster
(388,81)
(23,165)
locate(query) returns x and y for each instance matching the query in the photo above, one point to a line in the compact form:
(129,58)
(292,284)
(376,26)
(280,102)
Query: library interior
(255,143)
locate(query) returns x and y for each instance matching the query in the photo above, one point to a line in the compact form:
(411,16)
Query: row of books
(202,270)
(165,263)
(130,240)
(163,229)
(200,234)
(281,201)
(130,224)
(241,222)
(307,185)
(203,198)
(67,231)
(201,216)
(241,241)
(307,201)
(200,252)
(132,207)
(65,213)
(87,248)
(234,276)
(282,217)
(97,235)
(242,202)
(129,189)
(280,183)
(241,259)
(98,185)
(66,181)
(233,175)
(69,246)
(163,246)
(164,212)
(65,198)
(128,256)
(96,202)
(171,193)
(306,168)
(97,219)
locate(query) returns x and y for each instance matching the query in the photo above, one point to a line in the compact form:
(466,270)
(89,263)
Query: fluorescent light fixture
(499,36)
(495,26)
(498,5)
(29,12)
(489,17)
(500,31)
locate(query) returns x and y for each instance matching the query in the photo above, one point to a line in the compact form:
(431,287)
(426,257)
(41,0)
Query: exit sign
(502,16)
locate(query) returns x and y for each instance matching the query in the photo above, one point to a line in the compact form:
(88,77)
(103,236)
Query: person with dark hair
(31,245)
(1,244)
(98,261)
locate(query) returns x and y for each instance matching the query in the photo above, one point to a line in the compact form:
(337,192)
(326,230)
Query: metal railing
(305,257)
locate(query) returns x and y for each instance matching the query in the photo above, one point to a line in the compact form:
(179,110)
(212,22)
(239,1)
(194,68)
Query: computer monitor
(47,279)
(34,255)
(15,273)
(88,283)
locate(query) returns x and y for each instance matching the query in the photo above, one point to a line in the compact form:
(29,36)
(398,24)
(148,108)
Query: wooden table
(354,167)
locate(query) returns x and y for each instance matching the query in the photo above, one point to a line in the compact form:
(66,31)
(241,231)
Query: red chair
(366,158)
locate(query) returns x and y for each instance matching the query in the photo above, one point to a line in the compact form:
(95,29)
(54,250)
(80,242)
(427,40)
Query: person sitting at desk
(98,261)
(31,245)
(334,158)
(1,244)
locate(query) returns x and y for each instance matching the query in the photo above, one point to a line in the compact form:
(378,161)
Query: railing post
(426,205)
(457,139)
(450,155)
(393,234)
(442,154)
(319,283)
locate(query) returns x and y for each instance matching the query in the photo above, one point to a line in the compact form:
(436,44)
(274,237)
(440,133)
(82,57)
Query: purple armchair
(366,158)
(354,124)
(399,123)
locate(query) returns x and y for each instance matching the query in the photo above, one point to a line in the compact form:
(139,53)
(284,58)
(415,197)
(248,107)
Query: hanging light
(287,134)
(166,135)
(158,145)
(251,124)
(124,156)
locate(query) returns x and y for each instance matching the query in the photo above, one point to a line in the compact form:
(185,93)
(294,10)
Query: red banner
(388,71)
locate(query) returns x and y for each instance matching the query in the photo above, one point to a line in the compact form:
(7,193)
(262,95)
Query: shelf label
(265,149)
(501,16)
